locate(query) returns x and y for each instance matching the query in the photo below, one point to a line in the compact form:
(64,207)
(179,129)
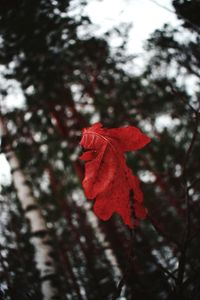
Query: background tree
(70,78)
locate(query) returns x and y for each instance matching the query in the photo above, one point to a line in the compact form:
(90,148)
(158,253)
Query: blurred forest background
(51,244)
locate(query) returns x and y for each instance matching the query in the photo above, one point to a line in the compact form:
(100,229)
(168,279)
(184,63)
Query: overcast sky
(144,15)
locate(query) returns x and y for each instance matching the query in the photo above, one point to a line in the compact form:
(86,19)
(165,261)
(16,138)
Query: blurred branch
(193,184)
(187,231)
(179,96)
(162,185)
(129,265)
(190,148)
(161,231)
(119,287)
(176,13)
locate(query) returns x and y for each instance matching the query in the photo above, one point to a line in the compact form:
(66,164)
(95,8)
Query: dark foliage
(69,78)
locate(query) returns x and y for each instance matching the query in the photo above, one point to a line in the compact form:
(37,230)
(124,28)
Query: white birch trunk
(38,229)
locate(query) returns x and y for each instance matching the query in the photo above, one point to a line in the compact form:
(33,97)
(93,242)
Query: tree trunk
(39,236)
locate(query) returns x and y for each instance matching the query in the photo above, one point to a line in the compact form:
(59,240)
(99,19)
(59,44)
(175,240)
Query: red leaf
(108,180)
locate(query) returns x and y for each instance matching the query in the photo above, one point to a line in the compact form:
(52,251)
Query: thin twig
(187,231)
(190,148)
(161,231)
(197,180)
(129,265)
(196,27)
